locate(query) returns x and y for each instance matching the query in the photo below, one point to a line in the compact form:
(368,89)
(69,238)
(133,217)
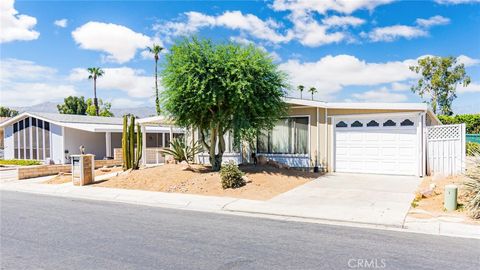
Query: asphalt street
(44,232)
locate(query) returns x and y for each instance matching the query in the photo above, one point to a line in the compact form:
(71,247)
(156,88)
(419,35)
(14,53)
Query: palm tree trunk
(95,101)
(157,99)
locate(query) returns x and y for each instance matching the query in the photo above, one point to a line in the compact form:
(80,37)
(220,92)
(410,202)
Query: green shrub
(472,121)
(472,148)
(231,176)
(472,187)
(19,162)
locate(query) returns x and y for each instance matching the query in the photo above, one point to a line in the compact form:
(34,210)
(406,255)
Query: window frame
(292,140)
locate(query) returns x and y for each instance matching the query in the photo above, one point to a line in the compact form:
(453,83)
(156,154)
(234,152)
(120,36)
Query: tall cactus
(131,158)
(125,151)
(139,147)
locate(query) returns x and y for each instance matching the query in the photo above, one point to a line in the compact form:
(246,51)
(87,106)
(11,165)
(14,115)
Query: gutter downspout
(326,139)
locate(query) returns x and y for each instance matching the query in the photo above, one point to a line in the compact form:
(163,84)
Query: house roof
(82,122)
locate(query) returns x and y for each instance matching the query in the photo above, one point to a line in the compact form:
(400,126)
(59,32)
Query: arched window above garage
(341,124)
(356,124)
(406,123)
(389,123)
(373,123)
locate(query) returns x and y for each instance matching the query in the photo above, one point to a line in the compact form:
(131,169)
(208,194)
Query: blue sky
(354,51)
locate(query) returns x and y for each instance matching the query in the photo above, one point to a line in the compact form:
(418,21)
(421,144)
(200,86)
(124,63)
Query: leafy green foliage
(155,50)
(220,87)
(472,121)
(472,148)
(73,105)
(231,176)
(104,108)
(182,152)
(7,112)
(19,162)
(440,77)
(472,186)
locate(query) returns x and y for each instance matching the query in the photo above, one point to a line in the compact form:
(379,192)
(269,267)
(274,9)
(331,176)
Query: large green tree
(440,77)
(222,87)
(94,74)
(73,105)
(102,107)
(155,50)
(7,112)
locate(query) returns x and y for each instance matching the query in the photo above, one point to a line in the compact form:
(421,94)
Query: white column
(171,136)
(108,144)
(144,144)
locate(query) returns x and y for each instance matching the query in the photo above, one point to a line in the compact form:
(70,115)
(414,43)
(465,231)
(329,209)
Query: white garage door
(383,145)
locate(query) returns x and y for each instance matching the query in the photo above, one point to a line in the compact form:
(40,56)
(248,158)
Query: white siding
(56,144)
(94,142)
(8,142)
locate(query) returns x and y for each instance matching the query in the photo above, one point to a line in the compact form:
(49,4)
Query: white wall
(8,142)
(56,144)
(94,142)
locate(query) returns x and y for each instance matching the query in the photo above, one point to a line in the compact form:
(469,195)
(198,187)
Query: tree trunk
(212,154)
(95,101)
(157,99)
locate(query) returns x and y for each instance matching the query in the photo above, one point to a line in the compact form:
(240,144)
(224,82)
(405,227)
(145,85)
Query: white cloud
(391,33)
(131,81)
(119,42)
(397,86)
(126,103)
(467,61)
(432,21)
(15,26)
(343,21)
(235,20)
(379,95)
(456,2)
(341,6)
(61,23)
(331,73)
(310,33)
(394,32)
(27,83)
(473,87)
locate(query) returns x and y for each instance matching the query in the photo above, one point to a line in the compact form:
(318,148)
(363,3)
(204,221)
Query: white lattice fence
(446,149)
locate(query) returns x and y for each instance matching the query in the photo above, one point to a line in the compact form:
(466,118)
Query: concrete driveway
(369,198)
(360,198)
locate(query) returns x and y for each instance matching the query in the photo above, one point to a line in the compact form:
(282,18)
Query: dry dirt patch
(264,182)
(432,203)
(67,177)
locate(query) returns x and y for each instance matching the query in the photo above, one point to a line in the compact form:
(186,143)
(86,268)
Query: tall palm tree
(95,72)
(301,88)
(312,90)
(155,50)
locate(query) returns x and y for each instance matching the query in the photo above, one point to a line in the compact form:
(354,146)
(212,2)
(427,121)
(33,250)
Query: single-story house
(383,138)
(54,137)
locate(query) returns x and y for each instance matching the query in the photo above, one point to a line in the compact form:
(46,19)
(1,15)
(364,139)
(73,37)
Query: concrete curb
(243,207)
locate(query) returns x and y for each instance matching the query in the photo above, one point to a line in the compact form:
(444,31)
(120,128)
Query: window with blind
(289,136)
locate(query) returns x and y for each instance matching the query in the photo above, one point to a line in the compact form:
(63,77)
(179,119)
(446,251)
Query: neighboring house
(54,137)
(2,119)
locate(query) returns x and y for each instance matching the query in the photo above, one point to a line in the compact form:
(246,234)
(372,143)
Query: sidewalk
(236,206)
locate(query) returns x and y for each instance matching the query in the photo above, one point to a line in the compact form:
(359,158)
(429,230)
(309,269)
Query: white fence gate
(445,149)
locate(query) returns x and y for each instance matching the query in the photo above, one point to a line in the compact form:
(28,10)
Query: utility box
(83,169)
(450,201)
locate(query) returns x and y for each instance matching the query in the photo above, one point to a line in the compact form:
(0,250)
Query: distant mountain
(51,107)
